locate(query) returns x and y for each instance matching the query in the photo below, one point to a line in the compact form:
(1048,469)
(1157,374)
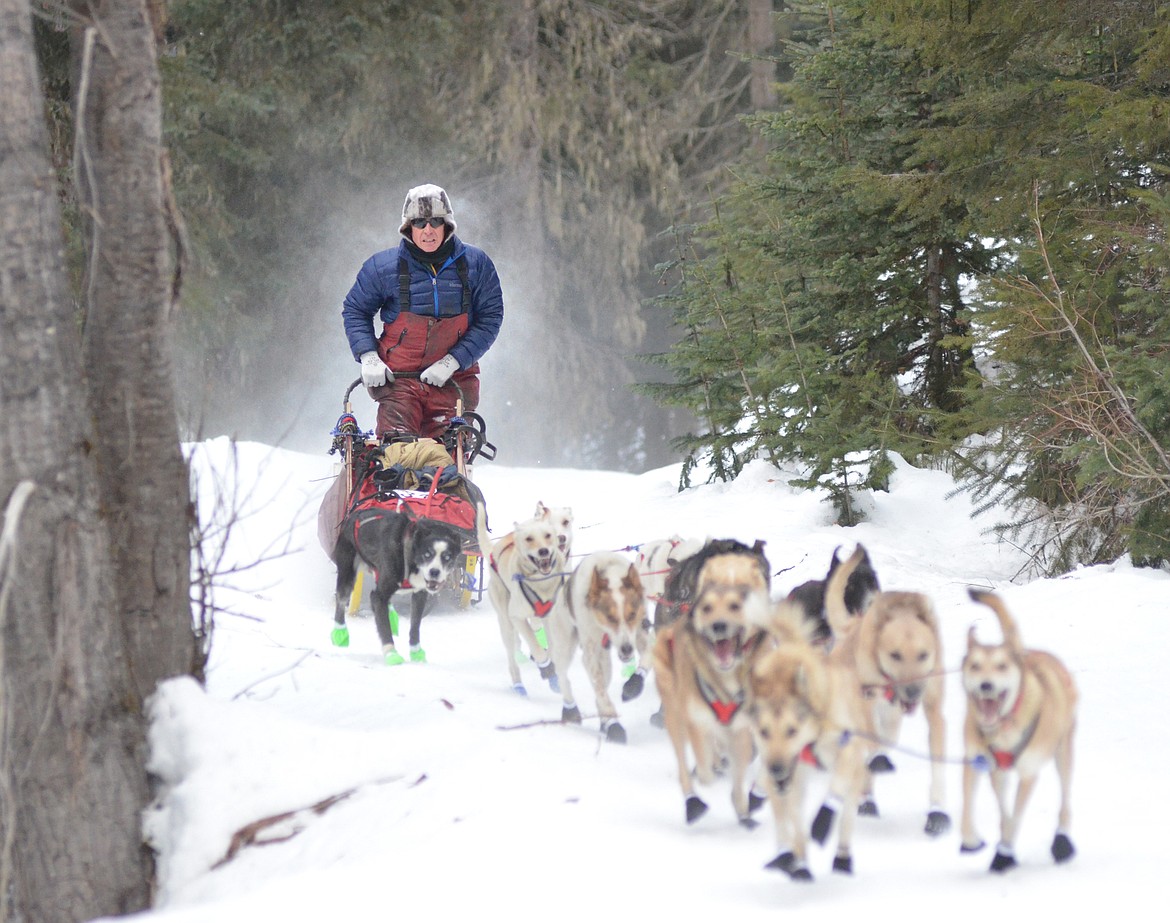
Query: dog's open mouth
(908,698)
(543,564)
(727,649)
(433,585)
(989,706)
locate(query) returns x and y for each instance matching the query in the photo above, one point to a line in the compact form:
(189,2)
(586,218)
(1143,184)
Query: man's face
(427,238)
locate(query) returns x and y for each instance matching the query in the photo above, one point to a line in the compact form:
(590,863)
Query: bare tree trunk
(76,657)
(126,350)
(761,43)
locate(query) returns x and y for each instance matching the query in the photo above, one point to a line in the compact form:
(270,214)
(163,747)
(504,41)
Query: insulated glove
(439,373)
(374,371)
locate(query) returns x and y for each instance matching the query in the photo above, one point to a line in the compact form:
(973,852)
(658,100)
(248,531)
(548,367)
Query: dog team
(766,692)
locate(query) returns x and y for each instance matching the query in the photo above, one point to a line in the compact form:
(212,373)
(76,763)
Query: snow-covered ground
(444,795)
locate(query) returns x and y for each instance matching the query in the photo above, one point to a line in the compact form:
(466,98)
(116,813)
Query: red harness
(1006,759)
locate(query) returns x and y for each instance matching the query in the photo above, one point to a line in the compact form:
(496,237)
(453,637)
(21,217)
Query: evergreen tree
(848,253)
(1059,144)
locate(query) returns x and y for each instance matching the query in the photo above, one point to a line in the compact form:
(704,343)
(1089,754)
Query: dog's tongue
(989,709)
(725,651)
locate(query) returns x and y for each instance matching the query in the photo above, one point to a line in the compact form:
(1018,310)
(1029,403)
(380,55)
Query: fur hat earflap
(426,201)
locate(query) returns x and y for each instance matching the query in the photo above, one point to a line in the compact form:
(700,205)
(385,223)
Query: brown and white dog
(701,665)
(528,572)
(602,612)
(895,651)
(1021,713)
(805,714)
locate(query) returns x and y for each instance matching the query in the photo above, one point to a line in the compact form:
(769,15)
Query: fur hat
(426,201)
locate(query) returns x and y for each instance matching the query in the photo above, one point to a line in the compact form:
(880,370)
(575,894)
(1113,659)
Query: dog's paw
(868,808)
(937,823)
(843,864)
(632,687)
(971,847)
(519,689)
(614,732)
(340,637)
(756,801)
(393,658)
(696,808)
(418,655)
(1004,859)
(1062,848)
(787,863)
(880,763)
(748,822)
(571,715)
(657,720)
(823,823)
(548,671)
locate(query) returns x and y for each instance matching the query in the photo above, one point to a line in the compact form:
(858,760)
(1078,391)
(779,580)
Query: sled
(424,478)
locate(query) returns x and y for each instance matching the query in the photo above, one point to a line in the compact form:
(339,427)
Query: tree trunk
(762,44)
(78,650)
(126,351)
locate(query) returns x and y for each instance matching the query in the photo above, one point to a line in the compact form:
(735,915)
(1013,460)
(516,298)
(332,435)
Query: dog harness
(1006,759)
(358,523)
(540,607)
(725,710)
(809,755)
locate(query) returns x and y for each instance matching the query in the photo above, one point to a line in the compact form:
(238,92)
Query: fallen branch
(250,834)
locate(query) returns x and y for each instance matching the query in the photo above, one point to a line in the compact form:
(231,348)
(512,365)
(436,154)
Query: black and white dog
(860,590)
(404,553)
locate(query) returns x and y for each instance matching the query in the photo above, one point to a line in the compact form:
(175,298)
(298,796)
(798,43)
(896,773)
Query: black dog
(404,553)
(860,589)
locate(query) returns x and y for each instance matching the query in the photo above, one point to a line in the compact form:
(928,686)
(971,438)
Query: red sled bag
(432,504)
(428,504)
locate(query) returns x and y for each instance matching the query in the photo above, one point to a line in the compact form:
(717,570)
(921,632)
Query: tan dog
(527,575)
(895,650)
(1021,713)
(603,610)
(701,665)
(804,713)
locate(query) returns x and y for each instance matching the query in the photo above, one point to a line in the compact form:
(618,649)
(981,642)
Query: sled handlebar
(452,383)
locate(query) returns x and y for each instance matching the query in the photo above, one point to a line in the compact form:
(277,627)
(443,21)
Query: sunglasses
(421,223)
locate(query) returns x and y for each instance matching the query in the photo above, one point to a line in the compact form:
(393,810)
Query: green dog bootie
(340,636)
(541,637)
(628,669)
(392,658)
(418,655)
(393,620)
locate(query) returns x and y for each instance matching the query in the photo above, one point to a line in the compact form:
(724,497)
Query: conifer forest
(814,233)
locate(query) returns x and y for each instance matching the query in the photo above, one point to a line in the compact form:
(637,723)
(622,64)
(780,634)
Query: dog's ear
(924,611)
(541,510)
(972,641)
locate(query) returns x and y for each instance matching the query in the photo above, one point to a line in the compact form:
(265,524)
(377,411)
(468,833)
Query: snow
(443,793)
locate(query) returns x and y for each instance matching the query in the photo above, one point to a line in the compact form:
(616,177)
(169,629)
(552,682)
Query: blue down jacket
(437,295)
